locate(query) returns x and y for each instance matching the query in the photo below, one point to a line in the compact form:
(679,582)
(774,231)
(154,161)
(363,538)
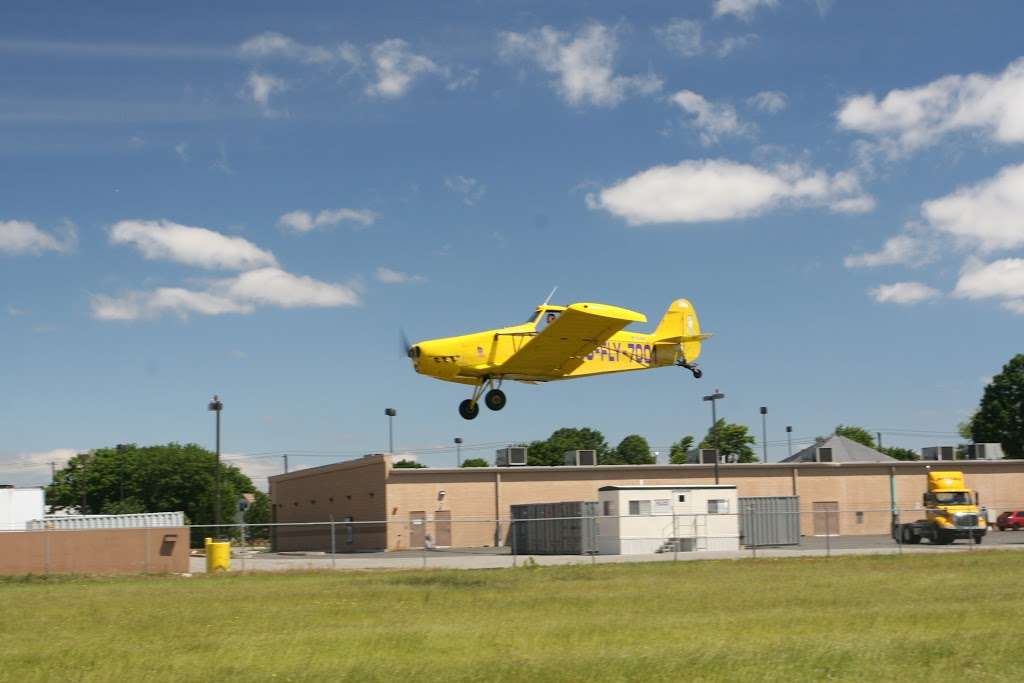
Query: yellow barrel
(218,556)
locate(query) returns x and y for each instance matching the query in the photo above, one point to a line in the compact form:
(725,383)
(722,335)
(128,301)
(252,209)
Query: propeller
(406,346)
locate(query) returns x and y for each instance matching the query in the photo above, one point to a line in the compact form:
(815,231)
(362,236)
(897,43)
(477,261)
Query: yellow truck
(952,512)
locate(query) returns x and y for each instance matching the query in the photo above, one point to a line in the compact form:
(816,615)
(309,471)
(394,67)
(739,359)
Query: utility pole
(216,406)
(717,396)
(285,456)
(53,471)
(789,440)
(878,435)
(764,433)
(458,450)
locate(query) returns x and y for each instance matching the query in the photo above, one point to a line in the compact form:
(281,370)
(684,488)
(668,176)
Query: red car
(1011,519)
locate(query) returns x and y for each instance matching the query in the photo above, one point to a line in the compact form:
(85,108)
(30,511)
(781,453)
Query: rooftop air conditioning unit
(707,456)
(823,455)
(938,453)
(581,458)
(513,456)
(985,451)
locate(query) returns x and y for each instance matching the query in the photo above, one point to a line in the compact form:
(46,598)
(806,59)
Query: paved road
(492,558)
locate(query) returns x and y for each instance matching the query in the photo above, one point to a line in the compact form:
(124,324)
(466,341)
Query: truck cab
(951,512)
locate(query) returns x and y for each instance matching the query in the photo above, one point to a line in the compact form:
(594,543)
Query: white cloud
(181,151)
(583,63)
(696,191)
(987,216)
(1003,279)
(23,237)
(304,221)
(395,277)
(909,119)
(741,9)
(682,36)
(190,245)
(899,250)
(711,119)
(1014,307)
(769,101)
(470,188)
(397,67)
(147,305)
(33,468)
(904,293)
(271,44)
(15,312)
(733,43)
(274,286)
(240,294)
(259,88)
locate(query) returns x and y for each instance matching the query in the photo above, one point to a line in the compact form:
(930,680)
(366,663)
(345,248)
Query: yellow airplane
(559,342)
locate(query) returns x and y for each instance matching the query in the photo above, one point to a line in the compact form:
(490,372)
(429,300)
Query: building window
(860,518)
(639,507)
(682,497)
(609,508)
(718,506)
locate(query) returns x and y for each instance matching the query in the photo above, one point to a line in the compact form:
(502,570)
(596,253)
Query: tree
(165,478)
(633,450)
(677,455)
(730,440)
(475,462)
(258,513)
(552,450)
(1000,416)
(409,464)
(900,453)
(858,434)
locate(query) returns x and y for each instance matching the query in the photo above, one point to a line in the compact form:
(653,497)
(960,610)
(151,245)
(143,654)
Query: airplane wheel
(469,410)
(495,399)
(698,373)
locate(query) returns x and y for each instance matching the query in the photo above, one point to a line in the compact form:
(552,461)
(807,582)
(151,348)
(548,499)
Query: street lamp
(717,396)
(764,433)
(789,440)
(216,406)
(458,450)
(391,412)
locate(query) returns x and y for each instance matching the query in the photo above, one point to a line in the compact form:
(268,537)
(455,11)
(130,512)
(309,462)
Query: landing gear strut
(494,399)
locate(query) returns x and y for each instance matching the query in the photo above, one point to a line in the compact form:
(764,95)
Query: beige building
(376,506)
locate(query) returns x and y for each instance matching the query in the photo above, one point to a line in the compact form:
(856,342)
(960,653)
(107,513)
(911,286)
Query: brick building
(375,506)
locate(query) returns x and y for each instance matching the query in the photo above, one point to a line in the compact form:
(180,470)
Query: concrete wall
(95,551)
(474,497)
(349,489)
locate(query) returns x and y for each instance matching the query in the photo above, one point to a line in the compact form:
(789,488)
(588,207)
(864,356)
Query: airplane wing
(561,346)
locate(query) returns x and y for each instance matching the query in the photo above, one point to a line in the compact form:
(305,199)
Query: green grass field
(886,618)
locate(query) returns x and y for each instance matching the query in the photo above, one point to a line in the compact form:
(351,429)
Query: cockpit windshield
(533,318)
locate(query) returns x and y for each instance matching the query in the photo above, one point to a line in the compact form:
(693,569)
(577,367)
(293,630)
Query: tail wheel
(495,399)
(468,409)
(697,373)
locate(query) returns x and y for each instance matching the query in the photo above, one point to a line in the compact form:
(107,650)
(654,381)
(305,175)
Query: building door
(826,518)
(417,529)
(443,528)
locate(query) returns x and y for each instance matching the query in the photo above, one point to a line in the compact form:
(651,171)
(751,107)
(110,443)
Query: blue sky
(250,201)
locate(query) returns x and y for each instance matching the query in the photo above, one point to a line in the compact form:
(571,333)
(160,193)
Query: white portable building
(636,520)
(19,506)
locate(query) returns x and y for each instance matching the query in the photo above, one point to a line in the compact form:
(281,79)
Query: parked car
(1011,519)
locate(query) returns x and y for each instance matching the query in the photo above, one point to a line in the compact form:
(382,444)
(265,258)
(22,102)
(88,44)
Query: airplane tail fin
(680,325)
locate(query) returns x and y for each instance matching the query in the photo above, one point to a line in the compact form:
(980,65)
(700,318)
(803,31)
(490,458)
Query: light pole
(216,406)
(789,440)
(458,450)
(717,396)
(391,412)
(764,433)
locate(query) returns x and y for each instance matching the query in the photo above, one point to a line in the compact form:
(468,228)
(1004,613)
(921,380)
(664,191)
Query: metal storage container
(554,528)
(769,520)
(136,521)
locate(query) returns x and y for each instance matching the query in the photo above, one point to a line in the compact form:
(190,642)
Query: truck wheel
(1016,527)
(977,539)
